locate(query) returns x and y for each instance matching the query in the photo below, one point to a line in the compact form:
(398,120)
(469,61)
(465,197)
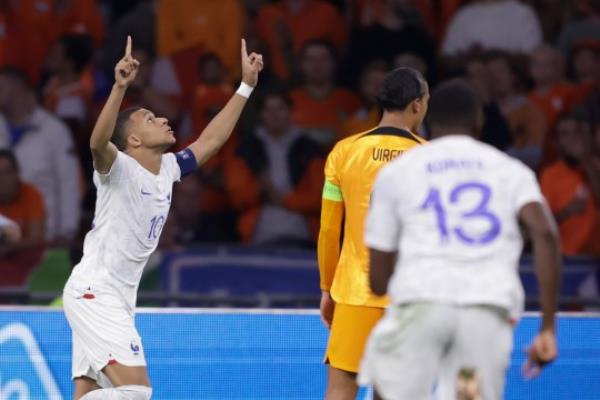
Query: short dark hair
(10,156)
(78,48)
(277,93)
(119,136)
(17,74)
(454,104)
(401,87)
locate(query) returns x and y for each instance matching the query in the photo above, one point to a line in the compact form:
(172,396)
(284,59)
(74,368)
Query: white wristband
(244,90)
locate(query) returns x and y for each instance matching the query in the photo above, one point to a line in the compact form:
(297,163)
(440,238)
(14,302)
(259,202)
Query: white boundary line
(251,311)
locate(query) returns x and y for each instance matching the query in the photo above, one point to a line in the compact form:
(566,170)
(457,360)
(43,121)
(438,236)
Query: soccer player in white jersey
(444,240)
(134,177)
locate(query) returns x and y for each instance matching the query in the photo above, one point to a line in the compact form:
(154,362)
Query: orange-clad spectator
(31,22)
(570,194)
(551,93)
(210,97)
(79,16)
(275,179)
(321,108)
(215,26)
(527,123)
(287,25)
(68,93)
(212,93)
(435,14)
(23,204)
(585,57)
(369,114)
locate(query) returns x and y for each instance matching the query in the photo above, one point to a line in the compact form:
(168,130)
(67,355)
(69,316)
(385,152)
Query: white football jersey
(132,206)
(450,208)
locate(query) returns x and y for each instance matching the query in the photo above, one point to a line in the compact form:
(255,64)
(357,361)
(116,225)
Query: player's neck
(148,158)
(395,120)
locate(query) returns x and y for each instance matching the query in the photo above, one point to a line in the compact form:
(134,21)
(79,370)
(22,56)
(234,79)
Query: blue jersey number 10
(481,211)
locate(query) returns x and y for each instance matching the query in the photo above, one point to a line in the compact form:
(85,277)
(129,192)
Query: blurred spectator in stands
(45,151)
(213,91)
(140,23)
(397,29)
(275,179)
(142,93)
(319,107)
(23,204)
(369,114)
(506,25)
(551,92)
(526,121)
(287,25)
(585,28)
(68,92)
(187,225)
(186,29)
(36,24)
(568,185)
(495,131)
(79,17)
(585,57)
(10,232)
(409,60)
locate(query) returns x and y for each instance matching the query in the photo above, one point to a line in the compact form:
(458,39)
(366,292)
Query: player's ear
(133,140)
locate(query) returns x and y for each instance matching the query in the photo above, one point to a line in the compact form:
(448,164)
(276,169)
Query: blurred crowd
(535,65)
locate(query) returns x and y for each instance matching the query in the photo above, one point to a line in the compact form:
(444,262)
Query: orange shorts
(350,330)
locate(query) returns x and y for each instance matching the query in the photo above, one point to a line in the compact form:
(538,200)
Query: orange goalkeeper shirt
(350,171)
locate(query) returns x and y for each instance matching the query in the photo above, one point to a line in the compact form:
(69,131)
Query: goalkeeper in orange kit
(348,307)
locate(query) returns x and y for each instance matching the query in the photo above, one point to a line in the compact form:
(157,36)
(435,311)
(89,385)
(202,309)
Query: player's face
(9,181)
(147,130)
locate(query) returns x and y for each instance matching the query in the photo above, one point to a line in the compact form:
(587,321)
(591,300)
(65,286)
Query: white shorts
(417,345)
(103,331)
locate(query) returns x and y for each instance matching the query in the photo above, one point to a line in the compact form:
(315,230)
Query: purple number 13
(481,211)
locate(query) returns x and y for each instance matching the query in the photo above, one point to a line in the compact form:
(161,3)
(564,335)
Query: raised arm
(103,151)
(219,129)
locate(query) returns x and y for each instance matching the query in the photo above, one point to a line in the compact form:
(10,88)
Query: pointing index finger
(128,47)
(244,51)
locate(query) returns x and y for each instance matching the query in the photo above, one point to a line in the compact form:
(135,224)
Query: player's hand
(251,65)
(327,308)
(542,351)
(127,68)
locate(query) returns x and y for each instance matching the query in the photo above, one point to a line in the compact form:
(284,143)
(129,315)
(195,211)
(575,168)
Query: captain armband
(332,192)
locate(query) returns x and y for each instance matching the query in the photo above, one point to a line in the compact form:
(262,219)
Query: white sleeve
(170,163)
(382,228)
(527,190)
(119,171)
(68,181)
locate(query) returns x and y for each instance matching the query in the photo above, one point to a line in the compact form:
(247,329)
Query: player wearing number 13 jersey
(444,224)
(134,179)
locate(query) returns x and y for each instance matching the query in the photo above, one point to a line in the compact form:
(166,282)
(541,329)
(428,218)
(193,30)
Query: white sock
(126,392)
